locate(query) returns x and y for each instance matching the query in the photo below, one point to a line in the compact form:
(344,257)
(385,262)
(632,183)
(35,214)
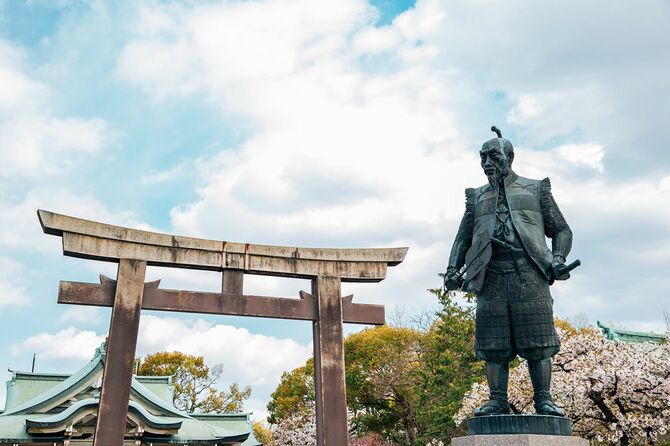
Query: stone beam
(219,303)
(99,241)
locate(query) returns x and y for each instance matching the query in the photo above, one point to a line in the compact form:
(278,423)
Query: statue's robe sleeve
(464,235)
(555,226)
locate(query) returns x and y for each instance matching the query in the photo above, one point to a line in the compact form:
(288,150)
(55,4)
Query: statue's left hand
(560,270)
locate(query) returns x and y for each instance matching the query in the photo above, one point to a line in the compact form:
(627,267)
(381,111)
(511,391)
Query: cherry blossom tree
(614,392)
(298,429)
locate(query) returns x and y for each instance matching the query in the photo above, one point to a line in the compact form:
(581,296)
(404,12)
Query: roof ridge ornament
(101,351)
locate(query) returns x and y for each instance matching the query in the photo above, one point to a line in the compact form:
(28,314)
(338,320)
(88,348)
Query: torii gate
(134,249)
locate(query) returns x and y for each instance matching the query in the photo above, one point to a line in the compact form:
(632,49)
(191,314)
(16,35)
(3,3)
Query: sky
(317,123)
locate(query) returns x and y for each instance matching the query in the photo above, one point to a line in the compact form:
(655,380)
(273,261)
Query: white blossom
(297,430)
(614,392)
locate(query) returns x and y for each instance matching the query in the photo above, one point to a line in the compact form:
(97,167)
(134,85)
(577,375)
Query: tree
(294,394)
(382,376)
(297,429)
(449,369)
(405,384)
(381,367)
(262,433)
(614,392)
(194,382)
(370,440)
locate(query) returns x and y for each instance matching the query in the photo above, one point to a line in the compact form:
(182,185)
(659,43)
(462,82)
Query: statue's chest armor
(522,202)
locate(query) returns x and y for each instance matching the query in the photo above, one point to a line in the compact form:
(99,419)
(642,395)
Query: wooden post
(232,282)
(121,343)
(329,381)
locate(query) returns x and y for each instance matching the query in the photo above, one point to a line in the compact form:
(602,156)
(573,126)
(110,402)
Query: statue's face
(494,161)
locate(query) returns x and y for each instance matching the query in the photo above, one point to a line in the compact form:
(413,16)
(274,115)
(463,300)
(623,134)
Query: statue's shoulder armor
(475,193)
(523,181)
(538,188)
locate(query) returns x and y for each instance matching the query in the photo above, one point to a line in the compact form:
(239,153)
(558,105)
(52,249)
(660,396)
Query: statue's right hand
(452,280)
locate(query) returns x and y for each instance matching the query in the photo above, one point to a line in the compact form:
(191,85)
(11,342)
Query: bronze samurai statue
(500,255)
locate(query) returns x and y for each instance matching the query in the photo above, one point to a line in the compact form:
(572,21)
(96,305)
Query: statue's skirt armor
(514,312)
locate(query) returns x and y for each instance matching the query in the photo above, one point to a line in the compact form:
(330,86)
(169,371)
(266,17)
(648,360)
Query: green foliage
(450,367)
(404,384)
(262,433)
(382,375)
(381,371)
(293,394)
(193,383)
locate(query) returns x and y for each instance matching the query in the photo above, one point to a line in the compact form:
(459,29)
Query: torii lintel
(100,241)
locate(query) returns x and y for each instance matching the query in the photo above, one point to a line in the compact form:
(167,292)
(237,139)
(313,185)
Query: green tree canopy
(382,375)
(293,394)
(193,383)
(403,383)
(450,367)
(381,370)
(262,433)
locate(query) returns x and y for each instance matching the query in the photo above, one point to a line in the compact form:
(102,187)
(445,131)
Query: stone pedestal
(519,424)
(519,440)
(519,430)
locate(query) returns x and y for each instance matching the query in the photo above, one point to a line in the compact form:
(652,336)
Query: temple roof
(40,408)
(618,334)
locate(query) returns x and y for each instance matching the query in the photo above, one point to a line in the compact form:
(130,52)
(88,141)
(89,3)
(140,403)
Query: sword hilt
(572,266)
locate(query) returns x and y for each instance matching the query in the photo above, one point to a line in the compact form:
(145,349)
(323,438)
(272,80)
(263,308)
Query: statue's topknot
(497,130)
(503,144)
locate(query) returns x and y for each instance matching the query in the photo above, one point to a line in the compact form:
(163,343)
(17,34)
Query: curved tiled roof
(153,411)
(61,392)
(71,413)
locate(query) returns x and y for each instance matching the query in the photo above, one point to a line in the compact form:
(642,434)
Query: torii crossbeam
(134,249)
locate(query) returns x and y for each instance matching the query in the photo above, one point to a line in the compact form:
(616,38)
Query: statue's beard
(496,176)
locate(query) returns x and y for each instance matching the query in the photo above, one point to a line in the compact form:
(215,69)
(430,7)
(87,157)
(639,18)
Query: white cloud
(559,111)
(16,89)
(376,40)
(20,228)
(12,290)
(33,145)
(34,141)
(70,344)
(361,131)
(343,155)
(77,314)
(590,155)
(527,107)
(248,358)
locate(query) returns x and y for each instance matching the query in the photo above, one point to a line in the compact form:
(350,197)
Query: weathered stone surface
(99,241)
(519,424)
(123,330)
(329,379)
(233,304)
(519,440)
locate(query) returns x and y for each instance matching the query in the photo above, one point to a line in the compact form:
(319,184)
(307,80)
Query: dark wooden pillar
(120,357)
(329,382)
(232,282)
